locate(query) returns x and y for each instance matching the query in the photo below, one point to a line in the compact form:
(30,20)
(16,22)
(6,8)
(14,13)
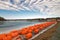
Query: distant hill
(36,19)
(2,19)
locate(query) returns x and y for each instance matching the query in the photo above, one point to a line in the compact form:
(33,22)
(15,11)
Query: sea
(7,26)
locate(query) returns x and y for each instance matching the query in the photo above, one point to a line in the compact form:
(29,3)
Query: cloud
(9,6)
(47,6)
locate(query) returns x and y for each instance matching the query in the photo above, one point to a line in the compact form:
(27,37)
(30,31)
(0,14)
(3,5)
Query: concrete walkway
(51,34)
(56,35)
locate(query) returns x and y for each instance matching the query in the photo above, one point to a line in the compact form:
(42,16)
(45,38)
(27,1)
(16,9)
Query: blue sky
(28,9)
(10,14)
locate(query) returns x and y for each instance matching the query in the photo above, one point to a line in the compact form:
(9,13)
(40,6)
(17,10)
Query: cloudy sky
(28,9)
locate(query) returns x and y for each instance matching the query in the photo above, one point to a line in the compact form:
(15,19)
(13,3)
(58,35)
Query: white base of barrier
(43,31)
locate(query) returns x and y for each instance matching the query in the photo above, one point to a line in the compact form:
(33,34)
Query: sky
(29,9)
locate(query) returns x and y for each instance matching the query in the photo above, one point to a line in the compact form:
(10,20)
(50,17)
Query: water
(7,26)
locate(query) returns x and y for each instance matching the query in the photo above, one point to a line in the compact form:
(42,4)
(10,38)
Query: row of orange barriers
(25,33)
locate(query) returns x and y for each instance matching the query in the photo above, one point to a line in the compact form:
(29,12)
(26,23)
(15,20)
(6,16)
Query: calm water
(7,26)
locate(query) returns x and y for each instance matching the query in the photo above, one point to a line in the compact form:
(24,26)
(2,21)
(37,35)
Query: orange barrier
(28,36)
(36,31)
(27,32)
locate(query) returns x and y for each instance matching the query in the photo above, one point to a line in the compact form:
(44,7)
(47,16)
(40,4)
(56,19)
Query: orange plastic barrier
(28,36)
(27,32)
